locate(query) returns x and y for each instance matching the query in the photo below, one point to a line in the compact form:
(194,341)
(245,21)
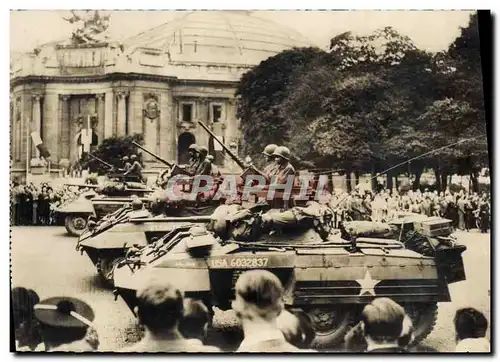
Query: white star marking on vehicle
(367,284)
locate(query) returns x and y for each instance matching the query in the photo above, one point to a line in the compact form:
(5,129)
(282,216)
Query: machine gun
(109,166)
(173,169)
(114,172)
(246,168)
(162,160)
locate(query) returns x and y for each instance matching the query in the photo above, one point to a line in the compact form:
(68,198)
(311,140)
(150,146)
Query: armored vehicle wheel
(331,325)
(105,267)
(423,316)
(75,224)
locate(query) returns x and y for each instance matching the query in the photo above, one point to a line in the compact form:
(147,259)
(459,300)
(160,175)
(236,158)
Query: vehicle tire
(105,267)
(75,224)
(330,324)
(423,316)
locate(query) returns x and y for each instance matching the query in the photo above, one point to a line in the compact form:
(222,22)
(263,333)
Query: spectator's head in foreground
(196,319)
(259,296)
(470,323)
(26,329)
(63,321)
(386,323)
(297,328)
(160,306)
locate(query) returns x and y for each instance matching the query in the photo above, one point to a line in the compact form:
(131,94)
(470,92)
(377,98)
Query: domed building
(158,83)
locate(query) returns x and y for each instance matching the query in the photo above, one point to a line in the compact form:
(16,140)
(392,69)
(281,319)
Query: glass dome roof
(218,37)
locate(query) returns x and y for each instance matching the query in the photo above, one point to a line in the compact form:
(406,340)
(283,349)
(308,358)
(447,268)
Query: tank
(330,277)
(106,243)
(100,201)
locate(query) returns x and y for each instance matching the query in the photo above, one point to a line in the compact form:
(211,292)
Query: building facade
(158,83)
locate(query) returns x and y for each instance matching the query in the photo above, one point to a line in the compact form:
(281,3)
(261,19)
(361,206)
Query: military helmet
(210,158)
(203,149)
(133,157)
(137,204)
(193,147)
(283,152)
(125,158)
(269,149)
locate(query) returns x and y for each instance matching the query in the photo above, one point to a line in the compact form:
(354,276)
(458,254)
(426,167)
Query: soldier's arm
(130,170)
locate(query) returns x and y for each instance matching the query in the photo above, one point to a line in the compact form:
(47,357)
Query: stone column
(167,139)
(149,119)
(18,136)
(135,104)
(26,111)
(64,126)
(121,120)
(108,115)
(231,122)
(202,137)
(100,117)
(50,126)
(75,126)
(36,114)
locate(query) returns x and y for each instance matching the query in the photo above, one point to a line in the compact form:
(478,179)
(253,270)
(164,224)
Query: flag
(217,146)
(86,139)
(37,141)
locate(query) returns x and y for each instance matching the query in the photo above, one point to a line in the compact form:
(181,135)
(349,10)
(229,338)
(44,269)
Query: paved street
(44,259)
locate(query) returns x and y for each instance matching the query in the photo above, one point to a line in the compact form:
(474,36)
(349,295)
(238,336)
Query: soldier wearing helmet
(271,164)
(126,163)
(193,158)
(215,172)
(135,171)
(283,167)
(204,165)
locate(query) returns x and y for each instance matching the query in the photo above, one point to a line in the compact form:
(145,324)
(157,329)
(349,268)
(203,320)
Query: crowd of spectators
(36,205)
(173,323)
(467,210)
(33,204)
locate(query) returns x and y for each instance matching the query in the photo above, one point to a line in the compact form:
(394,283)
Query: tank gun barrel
(101,161)
(162,160)
(229,152)
(81,185)
(191,219)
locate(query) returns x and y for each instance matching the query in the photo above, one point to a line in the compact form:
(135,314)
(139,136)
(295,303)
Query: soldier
(193,158)
(204,165)
(126,164)
(215,172)
(283,167)
(64,324)
(271,164)
(135,170)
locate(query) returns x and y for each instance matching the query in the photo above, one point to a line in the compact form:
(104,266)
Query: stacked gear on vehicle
(117,188)
(329,276)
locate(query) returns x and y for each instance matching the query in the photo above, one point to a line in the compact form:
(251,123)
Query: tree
(261,91)
(448,121)
(111,150)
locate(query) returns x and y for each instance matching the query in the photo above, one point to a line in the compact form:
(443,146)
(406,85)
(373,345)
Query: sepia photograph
(250,181)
